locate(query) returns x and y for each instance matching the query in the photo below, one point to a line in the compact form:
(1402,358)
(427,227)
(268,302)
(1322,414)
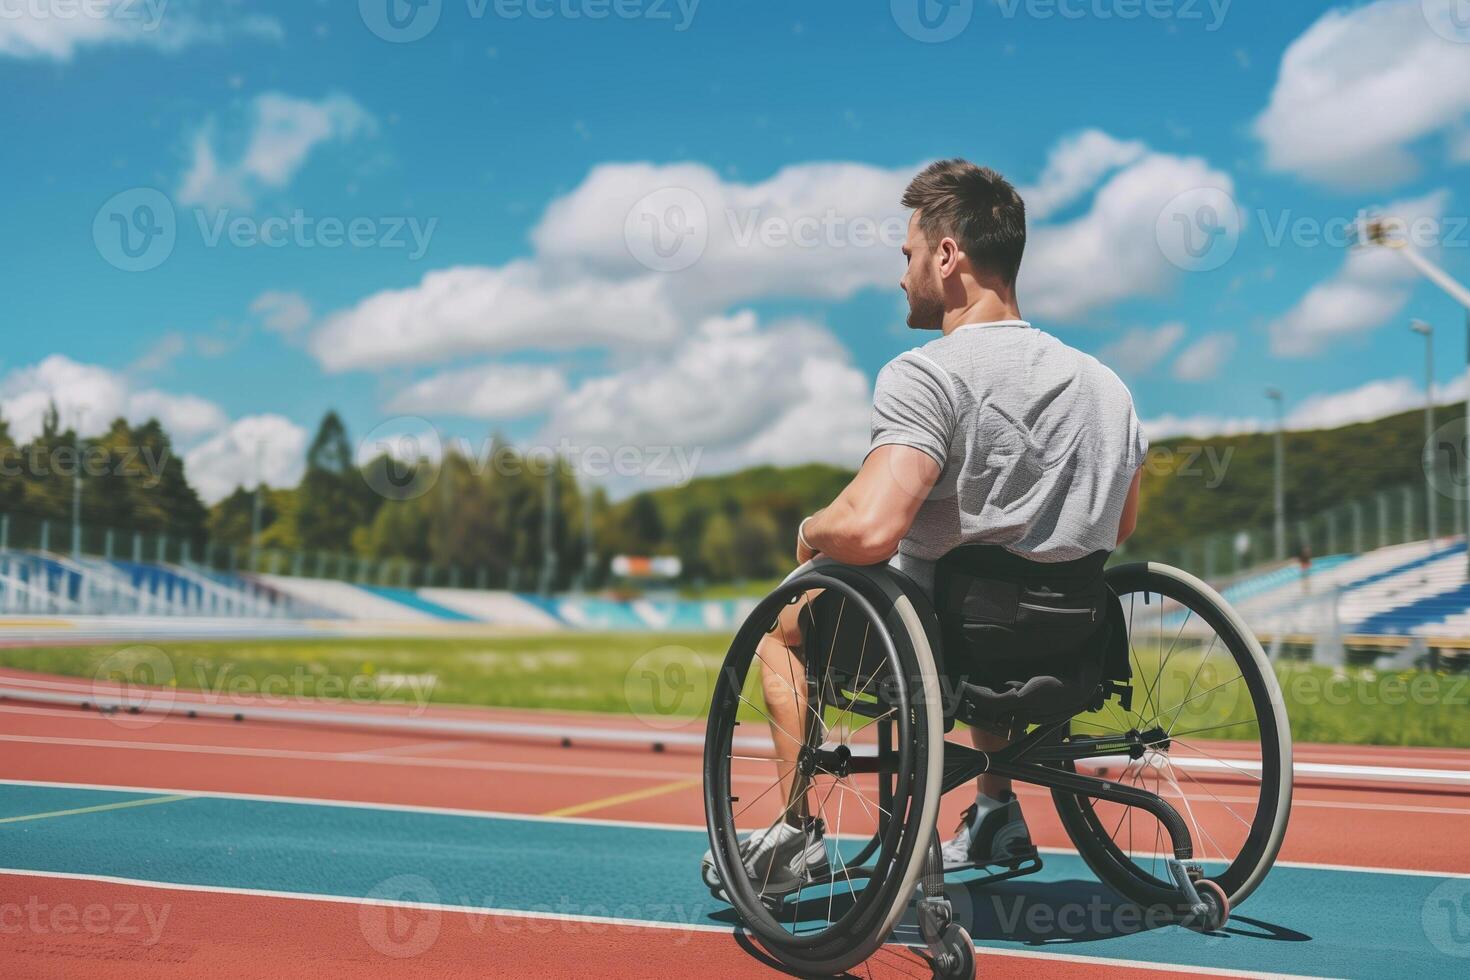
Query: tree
(332,498)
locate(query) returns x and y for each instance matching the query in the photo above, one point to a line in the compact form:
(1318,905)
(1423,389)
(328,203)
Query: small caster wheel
(1217,911)
(956,960)
(935,915)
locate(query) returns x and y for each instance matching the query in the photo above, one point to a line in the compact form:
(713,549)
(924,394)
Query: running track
(162,847)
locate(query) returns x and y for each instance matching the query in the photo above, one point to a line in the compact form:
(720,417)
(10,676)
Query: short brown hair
(978,208)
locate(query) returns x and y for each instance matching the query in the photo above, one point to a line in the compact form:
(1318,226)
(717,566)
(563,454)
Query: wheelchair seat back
(1028,642)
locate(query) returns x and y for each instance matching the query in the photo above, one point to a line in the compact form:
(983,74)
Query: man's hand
(870,517)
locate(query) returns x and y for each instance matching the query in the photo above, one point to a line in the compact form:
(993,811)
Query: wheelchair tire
(1256,716)
(823,936)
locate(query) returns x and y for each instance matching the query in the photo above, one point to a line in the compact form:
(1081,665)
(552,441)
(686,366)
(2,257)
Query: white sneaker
(779,860)
(995,835)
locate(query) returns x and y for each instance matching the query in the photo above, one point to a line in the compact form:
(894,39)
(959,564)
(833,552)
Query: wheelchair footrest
(1025,863)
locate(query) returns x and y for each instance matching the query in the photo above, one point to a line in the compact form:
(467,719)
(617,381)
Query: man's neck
(989,308)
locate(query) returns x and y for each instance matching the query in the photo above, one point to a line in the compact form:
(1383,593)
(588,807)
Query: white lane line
(362,757)
(1249,766)
(1037,792)
(57,692)
(381,757)
(378,757)
(602,920)
(588,821)
(166,704)
(408,749)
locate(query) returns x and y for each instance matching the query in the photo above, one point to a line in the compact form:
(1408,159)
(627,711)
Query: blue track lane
(1303,921)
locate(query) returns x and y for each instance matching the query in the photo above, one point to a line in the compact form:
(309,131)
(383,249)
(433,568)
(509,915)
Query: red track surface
(229,935)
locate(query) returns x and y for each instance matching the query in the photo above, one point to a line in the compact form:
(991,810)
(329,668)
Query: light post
(1431,506)
(1383,232)
(76,488)
(1279,481)
(255,502)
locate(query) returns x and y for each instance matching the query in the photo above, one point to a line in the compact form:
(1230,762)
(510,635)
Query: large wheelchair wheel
(871,758)
(1217,746)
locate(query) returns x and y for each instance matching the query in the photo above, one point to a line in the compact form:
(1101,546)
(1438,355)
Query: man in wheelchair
(1004,467)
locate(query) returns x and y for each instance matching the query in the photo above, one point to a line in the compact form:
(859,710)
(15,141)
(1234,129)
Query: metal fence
(62,539)
(1388,517)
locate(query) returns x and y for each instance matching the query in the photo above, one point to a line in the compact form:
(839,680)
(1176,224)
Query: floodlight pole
(1378,233)
(1431,504)
(76,489)
(1279,481)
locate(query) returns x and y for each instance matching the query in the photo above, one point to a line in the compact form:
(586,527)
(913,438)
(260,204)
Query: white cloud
(734,393)
(1112,252)
(1373,400)
(489,391)
(162,352)
(1074,167)
(282,132)
(1140,348)
(268,448)
(89,396)
(1359,87)
(1200,426)
(282,312)
(1327,410)
(480,310)
(184,417)
(1204,358)
(1370,288)
(57,29)
(820,231)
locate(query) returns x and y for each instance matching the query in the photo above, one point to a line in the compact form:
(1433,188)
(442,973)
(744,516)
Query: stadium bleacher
(1417,589)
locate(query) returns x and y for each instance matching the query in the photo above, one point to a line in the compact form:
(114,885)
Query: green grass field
(668,676)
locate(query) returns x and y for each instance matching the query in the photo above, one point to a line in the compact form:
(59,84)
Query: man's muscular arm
(866,522)
(1129,521)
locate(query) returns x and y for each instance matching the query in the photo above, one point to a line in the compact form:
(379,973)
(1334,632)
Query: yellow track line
(637,794)
(95,809)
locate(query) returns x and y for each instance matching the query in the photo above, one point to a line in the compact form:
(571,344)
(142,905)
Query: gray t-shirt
(1037,443)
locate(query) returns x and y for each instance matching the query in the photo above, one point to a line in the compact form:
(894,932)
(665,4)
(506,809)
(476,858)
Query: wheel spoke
(769,720)
(1195,679)
(1180,705)
(1216,728)
(779,777)
(1190,776)
(1214,758)
(864,800)
(854,732)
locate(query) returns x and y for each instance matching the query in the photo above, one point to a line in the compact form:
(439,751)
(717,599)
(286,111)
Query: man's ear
(949,255)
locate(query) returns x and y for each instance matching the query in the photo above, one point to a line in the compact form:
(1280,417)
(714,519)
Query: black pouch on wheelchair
(1033,634)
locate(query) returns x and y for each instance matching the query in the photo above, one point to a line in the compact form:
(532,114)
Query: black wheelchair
(1165,746)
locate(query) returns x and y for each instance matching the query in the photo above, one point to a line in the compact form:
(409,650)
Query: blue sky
(529,143)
